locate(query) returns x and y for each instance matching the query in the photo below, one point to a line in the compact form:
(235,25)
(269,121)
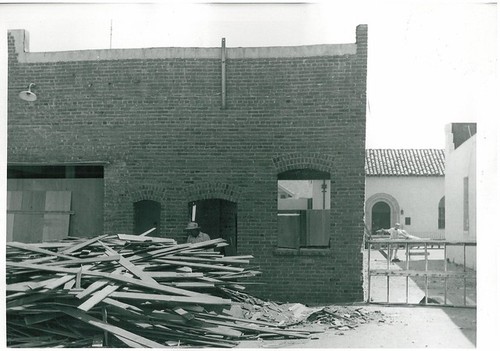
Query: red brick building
(118,141)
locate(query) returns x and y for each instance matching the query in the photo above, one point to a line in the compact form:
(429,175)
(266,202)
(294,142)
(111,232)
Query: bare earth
(399,327)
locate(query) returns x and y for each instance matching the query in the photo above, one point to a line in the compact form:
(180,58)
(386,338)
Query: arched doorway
(217,218)
(147,216)
(381,216)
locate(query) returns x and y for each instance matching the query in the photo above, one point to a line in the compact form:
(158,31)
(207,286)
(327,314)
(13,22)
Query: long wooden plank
(97,297)
(193,285)
(200,265)
(202,300)
(232,260)
(83,244)
(122,305)
(58,282)
(33,248)
(199,259)
(147,232)
(173,275)
(91,288)
(178,248)
(41,259)
(129,237)
(74,261)
(83,317)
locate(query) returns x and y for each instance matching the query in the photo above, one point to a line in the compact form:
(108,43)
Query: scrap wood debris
(131,291)
(341,317)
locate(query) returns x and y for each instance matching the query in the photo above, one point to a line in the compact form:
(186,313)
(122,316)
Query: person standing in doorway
(195,235)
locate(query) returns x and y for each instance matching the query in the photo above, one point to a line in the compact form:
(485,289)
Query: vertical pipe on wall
(223,76)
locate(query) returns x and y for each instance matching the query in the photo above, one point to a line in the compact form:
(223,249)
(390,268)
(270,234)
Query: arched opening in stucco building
(146,216)
(217,218)
(381,216)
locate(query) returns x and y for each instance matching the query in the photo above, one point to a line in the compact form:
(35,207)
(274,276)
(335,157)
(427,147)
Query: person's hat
(397,224)
(192,226)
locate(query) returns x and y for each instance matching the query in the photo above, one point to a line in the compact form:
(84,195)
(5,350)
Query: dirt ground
(400,325)
(397,327)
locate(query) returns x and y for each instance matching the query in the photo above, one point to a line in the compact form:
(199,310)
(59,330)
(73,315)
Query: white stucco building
(460,190)
(406,186)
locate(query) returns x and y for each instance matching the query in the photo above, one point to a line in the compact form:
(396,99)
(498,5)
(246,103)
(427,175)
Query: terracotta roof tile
(404,162)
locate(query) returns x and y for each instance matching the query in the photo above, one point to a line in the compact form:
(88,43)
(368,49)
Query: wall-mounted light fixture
(28,95)
(402,211)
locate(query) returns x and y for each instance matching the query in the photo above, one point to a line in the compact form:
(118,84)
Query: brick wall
(154,116)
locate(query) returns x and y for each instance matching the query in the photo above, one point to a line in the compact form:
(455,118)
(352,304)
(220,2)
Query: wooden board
(200,265)
(29,217)
(82,316)
(27,226)
(129,237)
(318,227)
(35,248)
(202,300)
(98,297)
(56,225)
(289,228)
(86,200)
(14,202)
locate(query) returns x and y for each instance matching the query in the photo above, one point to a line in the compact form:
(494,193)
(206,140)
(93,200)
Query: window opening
(303,209)
(441,214)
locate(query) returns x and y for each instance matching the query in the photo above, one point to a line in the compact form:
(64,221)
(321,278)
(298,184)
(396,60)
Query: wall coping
(21,39)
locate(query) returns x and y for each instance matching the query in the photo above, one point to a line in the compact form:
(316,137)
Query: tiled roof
(404,162)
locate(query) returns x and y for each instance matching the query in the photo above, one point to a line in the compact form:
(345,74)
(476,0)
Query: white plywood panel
(56,225)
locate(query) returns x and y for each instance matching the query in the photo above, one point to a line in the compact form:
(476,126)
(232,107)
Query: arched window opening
(441,214)
(147,216)
(303,208)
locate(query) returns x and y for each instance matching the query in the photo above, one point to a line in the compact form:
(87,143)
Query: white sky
(429,62)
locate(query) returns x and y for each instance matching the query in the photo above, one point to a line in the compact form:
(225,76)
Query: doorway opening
(147,216)
(217,218)
(381,216)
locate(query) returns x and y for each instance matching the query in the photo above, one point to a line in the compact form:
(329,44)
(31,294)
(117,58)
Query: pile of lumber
(129,291)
